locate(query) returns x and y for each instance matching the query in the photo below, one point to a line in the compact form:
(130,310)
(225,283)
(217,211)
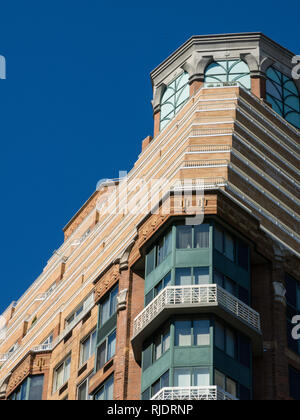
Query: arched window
(283,95)
(174,98)
(229,71)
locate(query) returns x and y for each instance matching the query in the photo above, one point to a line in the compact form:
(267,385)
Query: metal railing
(199,295)
(201,393)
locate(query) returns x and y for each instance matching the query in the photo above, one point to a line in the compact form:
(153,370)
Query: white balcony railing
(206,393)
(200,295)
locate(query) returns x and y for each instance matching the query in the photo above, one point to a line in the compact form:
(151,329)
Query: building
(142,301)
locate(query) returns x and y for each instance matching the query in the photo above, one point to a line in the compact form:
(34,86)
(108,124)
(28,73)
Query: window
(83,391)
(62,374)
(162,284)
(174,98)
(294,376)
(162,382)
(192,332)
(190,276)
(233,248)
(87,348)
(30,390)
(231,287)
(186,377)
(161,344)
(108,307)
(229,246)
(225,383)
(225,339)
(106,391)
(106,350)
(234,344)
(155,347)
(228,71)
(283,95)
(159,252)
(189,237)
(84,305)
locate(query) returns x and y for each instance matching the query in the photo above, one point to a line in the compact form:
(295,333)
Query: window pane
(201,333)
(218,278)
(158,288)
(220,379)
(104,311)
(110,389)
(184,237)
(82,392)
(166,341)
(24,390)
(155,388)
(157,348)
(243,255)
(202,236)
(59,377)
(230,343)
(151,261)
(67,370)
(229,247)
(165,380)
(85,350)
(183,277)
(100,396)
(101,356)
(111,346)
(167,280)
(93,343)
(201,275)
(218,234)
(220,336)
(183,333)
(230,286)
(231,387)
(168,244)
(201,377)
(182,378)
(113,301)
(148,298)
(160,252)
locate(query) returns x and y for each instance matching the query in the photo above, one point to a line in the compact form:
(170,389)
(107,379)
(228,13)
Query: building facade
(180,280)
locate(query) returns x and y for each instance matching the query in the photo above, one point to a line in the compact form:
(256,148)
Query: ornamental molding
(106,282)
(33,364)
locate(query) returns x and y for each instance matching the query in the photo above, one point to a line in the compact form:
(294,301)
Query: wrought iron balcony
(202,393)
(207,298)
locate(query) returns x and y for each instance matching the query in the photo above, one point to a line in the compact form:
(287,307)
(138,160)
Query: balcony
(207,393)
(207,298)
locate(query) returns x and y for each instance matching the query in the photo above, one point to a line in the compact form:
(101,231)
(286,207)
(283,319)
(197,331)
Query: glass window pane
(167,280)
(166,341)
(202,236)
(218,235)
(155,388)
(104,311)
(230,286)
(182,378)
(24,390)
(101,356)
(220,380)
(100,396)
(59,377)
(201,333)
(82,392)
(201,377)
(184,237)
(110,389)
(67,369)
(243,255)
(229,247)
(158,288)
(218,278)
(160,252)
(93,343)
(36,388)
(220,336)
(183,333)
(231,387)
(113,301)
(168,244)
(165,380)
(151,261)
(183,277)
(157,348)
(230,343)
(111,350)
(201,275)
(85,350)
(148,298)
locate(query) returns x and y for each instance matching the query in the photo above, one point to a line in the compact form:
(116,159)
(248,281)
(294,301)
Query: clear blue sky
(77,92)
